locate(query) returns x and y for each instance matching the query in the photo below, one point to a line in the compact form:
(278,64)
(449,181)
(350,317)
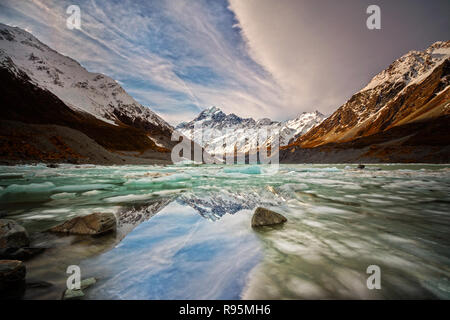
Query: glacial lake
(184,231)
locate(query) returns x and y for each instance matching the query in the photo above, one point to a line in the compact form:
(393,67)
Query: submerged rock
(86,283)
(266,217)
(93,224)
(12,235)
(74,294)
(14,242)
(70,294)
(12,279)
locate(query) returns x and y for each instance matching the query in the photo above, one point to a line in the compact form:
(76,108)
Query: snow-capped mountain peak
(81,90)
(412,88)
(413,66)
(214,117)
(243,132)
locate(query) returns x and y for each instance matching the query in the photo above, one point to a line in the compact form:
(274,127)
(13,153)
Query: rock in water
(12,279)
(266,217)
(70,294)
(361,166)
(86,283)
(93,224)
(75,294)
(14,242)
(12,235)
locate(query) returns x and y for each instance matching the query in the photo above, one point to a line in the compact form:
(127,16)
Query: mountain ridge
(78,88)
(243,131)
(44,89)
(359,115)
(384,117)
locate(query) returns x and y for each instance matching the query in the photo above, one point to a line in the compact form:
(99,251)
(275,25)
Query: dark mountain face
(22,101)
(425,141)
(24,105)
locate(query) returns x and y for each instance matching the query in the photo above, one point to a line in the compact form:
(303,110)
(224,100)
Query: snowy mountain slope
(93,93)
(243,132)
(412,67)
(414,87)
(37,126)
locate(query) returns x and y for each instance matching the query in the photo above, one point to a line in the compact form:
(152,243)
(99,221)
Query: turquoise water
(184,231)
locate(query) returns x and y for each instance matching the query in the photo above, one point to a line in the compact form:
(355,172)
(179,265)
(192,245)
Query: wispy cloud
(320,52)
(176,57)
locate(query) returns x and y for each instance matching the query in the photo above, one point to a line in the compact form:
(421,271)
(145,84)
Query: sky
(254,58)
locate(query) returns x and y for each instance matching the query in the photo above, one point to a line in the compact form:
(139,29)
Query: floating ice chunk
(168,192)
(129,198)
(64,195)
(174,177)
(91,193)
(60,210)
(11,175)
(271,169)
(243,169)
(39,216)
(378,201)
(27,192)
(331,169)
(83,187)
(140,183)
(32,187)
(186,162)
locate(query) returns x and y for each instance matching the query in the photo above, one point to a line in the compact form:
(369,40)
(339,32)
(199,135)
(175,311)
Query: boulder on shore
(12,279)
(12,235)
(266,217)
(93,224)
